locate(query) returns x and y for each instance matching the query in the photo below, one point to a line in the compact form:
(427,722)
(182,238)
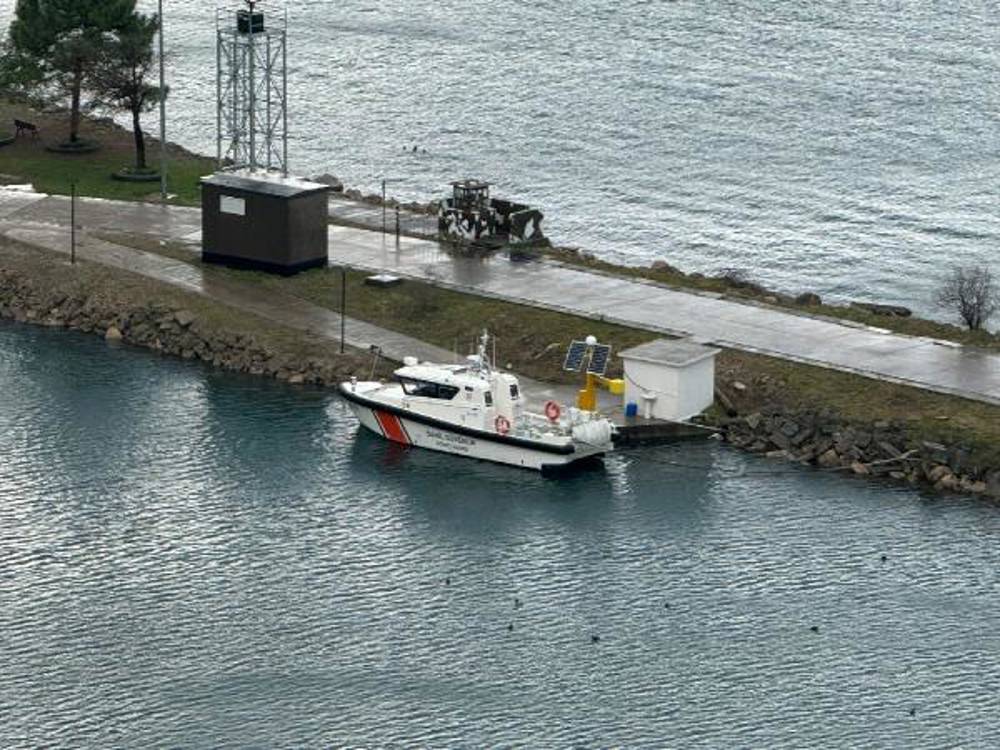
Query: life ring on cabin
(502,424)
(552,411)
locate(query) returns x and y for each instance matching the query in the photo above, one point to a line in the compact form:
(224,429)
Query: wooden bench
(21,126)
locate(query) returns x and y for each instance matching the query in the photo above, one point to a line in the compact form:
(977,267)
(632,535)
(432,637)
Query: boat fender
(593,433)
(552,411)
(502,424)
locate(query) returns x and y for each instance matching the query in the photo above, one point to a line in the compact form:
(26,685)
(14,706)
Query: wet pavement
(925,363)
(361,214)
(287,310)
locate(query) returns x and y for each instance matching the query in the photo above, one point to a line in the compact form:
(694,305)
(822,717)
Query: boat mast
(484,364)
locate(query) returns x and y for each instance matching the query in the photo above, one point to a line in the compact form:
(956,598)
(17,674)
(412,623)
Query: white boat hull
(401,428)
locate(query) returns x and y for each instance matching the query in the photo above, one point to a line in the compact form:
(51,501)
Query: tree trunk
(140,142)
(74,112)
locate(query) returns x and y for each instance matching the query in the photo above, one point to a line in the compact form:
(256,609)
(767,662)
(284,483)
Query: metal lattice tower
(252,64)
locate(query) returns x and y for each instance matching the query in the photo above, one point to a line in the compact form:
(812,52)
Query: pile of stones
(164,329)
(879,449)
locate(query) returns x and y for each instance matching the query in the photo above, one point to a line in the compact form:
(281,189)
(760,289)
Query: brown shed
(263,221)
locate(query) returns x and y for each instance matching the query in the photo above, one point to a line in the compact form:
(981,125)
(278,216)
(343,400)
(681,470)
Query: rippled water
(848,148)
(195,559)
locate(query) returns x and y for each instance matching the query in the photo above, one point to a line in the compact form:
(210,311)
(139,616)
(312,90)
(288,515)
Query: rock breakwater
(881,449)
(173,330)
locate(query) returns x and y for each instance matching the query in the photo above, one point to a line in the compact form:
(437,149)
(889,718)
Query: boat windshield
(426,389)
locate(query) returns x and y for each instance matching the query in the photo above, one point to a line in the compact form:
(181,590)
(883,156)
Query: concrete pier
(934,365)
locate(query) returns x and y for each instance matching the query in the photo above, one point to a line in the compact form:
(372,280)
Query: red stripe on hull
(392,428)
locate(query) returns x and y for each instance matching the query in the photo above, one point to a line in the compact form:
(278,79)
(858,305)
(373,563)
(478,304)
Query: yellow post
(587,398)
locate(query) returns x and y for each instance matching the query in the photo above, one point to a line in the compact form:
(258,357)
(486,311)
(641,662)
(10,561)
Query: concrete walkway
(365,215)
(920,362)
(285,309)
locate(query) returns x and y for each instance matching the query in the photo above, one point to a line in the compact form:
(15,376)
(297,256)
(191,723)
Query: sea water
(193,559)
(843,148)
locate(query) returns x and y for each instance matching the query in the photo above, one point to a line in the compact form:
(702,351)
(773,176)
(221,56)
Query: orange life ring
(502,424)
(552,411)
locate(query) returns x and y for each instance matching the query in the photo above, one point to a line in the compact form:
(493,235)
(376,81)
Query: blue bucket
(631,409)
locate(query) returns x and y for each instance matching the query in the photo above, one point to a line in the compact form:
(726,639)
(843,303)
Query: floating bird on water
(595,639)
(510,627)
(447,581)
(517,602)
(815,628)
(884,558)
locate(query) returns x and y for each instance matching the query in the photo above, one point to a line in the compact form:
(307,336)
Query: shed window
(488,397)
(513,391)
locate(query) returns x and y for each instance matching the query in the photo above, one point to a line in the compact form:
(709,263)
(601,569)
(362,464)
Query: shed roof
(268,183)
(673,352)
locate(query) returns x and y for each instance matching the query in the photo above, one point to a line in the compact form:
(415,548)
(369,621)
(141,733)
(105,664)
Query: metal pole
(269,128)
(397,226)
(284,96)
(383,205)
(252,93)
(343,306)
(72,223)
(238,51)
(218,92)
(163,113)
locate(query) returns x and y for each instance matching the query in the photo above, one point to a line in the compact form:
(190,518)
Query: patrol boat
(475,410)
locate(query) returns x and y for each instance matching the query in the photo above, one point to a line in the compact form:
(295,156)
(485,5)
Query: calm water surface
(194,559)
(849,148)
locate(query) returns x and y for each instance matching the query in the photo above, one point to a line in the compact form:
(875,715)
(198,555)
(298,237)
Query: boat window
(513,391)
(428,390)
(488,396)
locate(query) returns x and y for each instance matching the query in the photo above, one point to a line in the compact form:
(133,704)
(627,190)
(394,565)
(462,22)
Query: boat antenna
(484,361)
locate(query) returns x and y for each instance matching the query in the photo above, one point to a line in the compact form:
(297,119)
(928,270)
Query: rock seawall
(168,329)
(881,449)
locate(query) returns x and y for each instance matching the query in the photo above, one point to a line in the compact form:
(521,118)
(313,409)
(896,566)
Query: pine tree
(57,44)
(121,77)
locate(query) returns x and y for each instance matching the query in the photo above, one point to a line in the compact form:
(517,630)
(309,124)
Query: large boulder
(893,311)
(334,183)
(662,265)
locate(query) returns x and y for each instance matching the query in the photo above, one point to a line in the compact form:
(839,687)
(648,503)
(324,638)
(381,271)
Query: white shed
(670,379)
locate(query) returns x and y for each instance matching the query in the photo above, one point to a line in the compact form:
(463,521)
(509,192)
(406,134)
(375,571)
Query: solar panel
(599,359)
(574,357)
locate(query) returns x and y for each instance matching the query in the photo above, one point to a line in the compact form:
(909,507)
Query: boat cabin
(470,195)
(461,385)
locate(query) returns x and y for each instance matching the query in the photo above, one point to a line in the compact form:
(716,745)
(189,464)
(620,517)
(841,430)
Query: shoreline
(736,284)
(121,306)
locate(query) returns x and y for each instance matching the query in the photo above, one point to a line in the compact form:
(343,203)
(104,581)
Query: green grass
(532,341)
(54,173)
(26,159)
